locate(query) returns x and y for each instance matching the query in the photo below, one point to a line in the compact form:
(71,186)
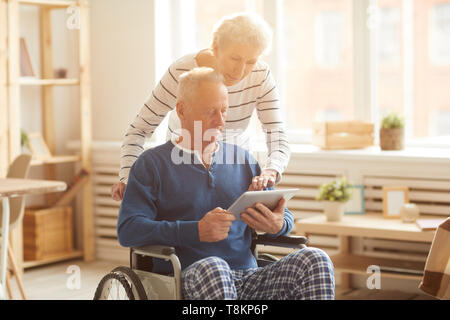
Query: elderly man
(175,195)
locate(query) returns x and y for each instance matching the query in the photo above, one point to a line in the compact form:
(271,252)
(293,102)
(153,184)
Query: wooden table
(371,225)
(15,188)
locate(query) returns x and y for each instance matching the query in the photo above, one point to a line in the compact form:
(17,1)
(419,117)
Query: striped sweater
(256,91)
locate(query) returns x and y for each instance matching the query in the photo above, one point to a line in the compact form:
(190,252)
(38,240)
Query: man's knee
(311,257)
(206,268)
(208,278)
(209,264)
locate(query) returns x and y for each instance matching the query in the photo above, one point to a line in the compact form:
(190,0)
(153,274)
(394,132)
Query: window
(328,35)
(442,121)
(389,36)
(440,34)
(409,58)
(317,62)
(208,12)
(390,59)
(413,64)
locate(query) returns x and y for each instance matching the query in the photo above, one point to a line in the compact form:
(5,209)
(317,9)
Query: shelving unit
(48,82)
(11,83)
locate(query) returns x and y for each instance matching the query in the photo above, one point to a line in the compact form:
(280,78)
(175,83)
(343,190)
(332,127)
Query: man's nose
(220,118)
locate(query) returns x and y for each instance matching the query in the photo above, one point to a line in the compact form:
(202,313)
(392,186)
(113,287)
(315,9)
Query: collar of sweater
(196,153)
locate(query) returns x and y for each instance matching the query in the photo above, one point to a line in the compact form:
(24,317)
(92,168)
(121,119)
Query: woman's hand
(265,180)
(117,191)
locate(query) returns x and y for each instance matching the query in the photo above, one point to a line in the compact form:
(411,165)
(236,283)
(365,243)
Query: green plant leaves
(338,190)
(392,120)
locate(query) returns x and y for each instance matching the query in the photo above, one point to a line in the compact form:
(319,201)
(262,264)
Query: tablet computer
(269,198)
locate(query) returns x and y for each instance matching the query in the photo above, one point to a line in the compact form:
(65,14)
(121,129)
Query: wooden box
(47,232)
(343,134)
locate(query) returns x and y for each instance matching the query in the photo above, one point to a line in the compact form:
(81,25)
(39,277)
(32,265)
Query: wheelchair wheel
(114,286)
(134,282)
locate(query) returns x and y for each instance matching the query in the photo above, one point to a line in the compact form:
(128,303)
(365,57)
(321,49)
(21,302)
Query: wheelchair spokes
(114,286)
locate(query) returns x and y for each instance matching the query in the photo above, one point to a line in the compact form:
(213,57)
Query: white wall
(122,56)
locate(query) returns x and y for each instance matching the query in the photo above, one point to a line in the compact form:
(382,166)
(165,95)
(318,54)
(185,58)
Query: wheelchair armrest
(163,252)
(282,241)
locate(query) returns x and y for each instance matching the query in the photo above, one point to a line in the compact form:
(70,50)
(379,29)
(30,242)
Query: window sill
(409,154)
(308,151)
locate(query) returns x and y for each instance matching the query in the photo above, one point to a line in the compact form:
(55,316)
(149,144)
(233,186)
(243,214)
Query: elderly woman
(238,43)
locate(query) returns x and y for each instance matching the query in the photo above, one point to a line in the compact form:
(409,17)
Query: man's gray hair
(243,28)
(191,80)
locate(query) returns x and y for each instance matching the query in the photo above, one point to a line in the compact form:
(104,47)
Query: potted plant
(334,195)
(392,132)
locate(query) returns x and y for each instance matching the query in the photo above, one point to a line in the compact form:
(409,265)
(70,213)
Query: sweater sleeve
(137,224)
(269,113)
(161,101)
(288,216)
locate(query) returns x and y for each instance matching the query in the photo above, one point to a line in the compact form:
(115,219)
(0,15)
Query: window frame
(364,62)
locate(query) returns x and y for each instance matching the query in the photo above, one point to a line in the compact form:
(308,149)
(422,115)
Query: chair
(19,168)
(435,280)
(138,282)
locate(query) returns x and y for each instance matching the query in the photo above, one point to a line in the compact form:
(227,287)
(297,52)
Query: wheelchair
(138,282)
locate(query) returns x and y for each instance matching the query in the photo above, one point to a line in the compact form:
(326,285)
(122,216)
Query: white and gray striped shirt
(256,91)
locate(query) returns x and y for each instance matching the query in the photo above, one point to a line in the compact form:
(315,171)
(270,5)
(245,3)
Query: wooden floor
(54,282)
(366,294)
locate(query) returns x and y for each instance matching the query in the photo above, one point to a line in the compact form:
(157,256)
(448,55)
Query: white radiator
(106,210)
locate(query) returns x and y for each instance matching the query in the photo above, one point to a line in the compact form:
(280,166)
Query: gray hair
(243,28)
(191,80)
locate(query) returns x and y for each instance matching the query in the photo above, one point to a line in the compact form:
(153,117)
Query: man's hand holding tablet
(262,210)
(263,219)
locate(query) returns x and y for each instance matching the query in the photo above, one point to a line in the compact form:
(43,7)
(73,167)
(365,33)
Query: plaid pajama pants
(306,274)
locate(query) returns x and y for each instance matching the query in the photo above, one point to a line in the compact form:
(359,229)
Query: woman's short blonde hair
(189,82)
(243,28)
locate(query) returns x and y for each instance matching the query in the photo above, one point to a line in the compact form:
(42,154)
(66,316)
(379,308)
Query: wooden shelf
(371,225)
(50,3)
(55,258)
(29,81)
(46,82)
(55,159)
(358,264)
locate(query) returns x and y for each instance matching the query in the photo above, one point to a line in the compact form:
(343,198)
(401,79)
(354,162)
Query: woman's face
(235,61)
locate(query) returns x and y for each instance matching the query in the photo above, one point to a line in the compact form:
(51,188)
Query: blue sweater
(165,199)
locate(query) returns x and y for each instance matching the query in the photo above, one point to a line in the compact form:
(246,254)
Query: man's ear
(215,48)
(181,110)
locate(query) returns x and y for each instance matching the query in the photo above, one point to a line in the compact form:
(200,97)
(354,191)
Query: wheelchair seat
(138,282)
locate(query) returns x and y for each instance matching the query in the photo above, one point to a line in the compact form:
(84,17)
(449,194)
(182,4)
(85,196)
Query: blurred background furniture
(18,169)
(12,190)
